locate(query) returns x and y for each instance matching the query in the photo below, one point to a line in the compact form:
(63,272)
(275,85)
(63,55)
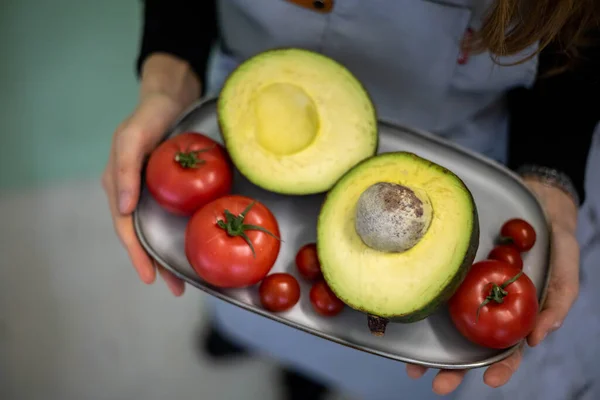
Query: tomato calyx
(497,292)
(190,159)
(507,241)
(234,226)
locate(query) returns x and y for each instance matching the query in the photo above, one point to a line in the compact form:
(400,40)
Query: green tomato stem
(497,293)
(234,226)
(190,159)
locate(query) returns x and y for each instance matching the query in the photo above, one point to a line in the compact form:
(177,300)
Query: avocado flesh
(405,286)
(294,121)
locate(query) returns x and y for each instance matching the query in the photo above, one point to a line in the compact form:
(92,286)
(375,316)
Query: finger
(446,381)
(175,285)
(558,304)
(562,290)
(132,143)
(127,168)
(142,263)
(123,225)
(549,321)
(415,371)
(500,373)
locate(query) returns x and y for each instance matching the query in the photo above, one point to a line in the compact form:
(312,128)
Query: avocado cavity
(286,118)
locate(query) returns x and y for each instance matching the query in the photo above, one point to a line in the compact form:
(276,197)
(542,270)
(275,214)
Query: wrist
(559,205)
(169,76)
(551,177)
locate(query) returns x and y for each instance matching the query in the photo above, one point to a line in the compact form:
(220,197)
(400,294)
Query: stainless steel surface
(434,342)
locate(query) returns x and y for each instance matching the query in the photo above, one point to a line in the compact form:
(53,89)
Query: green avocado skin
(442,298)
(246,171)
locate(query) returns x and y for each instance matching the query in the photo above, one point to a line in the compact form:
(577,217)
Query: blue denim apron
(406,53)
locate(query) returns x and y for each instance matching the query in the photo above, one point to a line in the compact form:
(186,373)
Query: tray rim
(275,317)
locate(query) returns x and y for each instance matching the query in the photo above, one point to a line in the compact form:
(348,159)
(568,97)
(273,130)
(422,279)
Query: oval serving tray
(434,342)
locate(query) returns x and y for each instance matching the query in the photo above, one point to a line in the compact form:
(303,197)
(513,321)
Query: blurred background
(75,321)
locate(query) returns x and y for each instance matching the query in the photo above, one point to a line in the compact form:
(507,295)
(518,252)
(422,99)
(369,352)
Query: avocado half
(294,121)
(396,237)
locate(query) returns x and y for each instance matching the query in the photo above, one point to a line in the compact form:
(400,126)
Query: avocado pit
(391,217)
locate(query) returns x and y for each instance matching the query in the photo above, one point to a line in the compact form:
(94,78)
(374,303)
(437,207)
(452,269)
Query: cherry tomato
(307,262)
(496,305)
(232,242)
(520,233)
(507,253)
(187,171)
(279,292)
(324,301)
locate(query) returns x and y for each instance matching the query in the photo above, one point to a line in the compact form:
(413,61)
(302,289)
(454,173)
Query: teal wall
(66,81)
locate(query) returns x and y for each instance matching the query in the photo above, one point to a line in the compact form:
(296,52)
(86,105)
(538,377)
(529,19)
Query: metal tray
(434,342)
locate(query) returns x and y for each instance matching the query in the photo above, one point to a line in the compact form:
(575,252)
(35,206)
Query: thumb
(128,164)
(136,140)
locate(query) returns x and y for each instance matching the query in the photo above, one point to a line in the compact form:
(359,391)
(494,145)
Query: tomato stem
(506,241)
(377,325)
(189,159)
(497,293)
(234,226)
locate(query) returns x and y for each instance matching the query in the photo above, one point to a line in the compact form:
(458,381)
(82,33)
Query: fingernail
(124,200)
(556,325)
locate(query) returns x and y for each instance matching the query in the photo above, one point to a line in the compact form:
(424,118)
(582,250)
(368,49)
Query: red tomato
(187,171)
(507,253)
(491,309)
(324,301)
(307,262)
(520,233)
(232,242)
(279,292)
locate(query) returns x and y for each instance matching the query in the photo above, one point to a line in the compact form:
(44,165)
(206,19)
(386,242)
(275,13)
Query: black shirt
(551,124)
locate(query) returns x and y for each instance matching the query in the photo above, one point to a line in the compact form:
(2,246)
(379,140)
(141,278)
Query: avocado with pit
(396,237)
(294,121)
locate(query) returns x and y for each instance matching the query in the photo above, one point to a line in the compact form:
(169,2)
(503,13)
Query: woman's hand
(562,291)
(168,87)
